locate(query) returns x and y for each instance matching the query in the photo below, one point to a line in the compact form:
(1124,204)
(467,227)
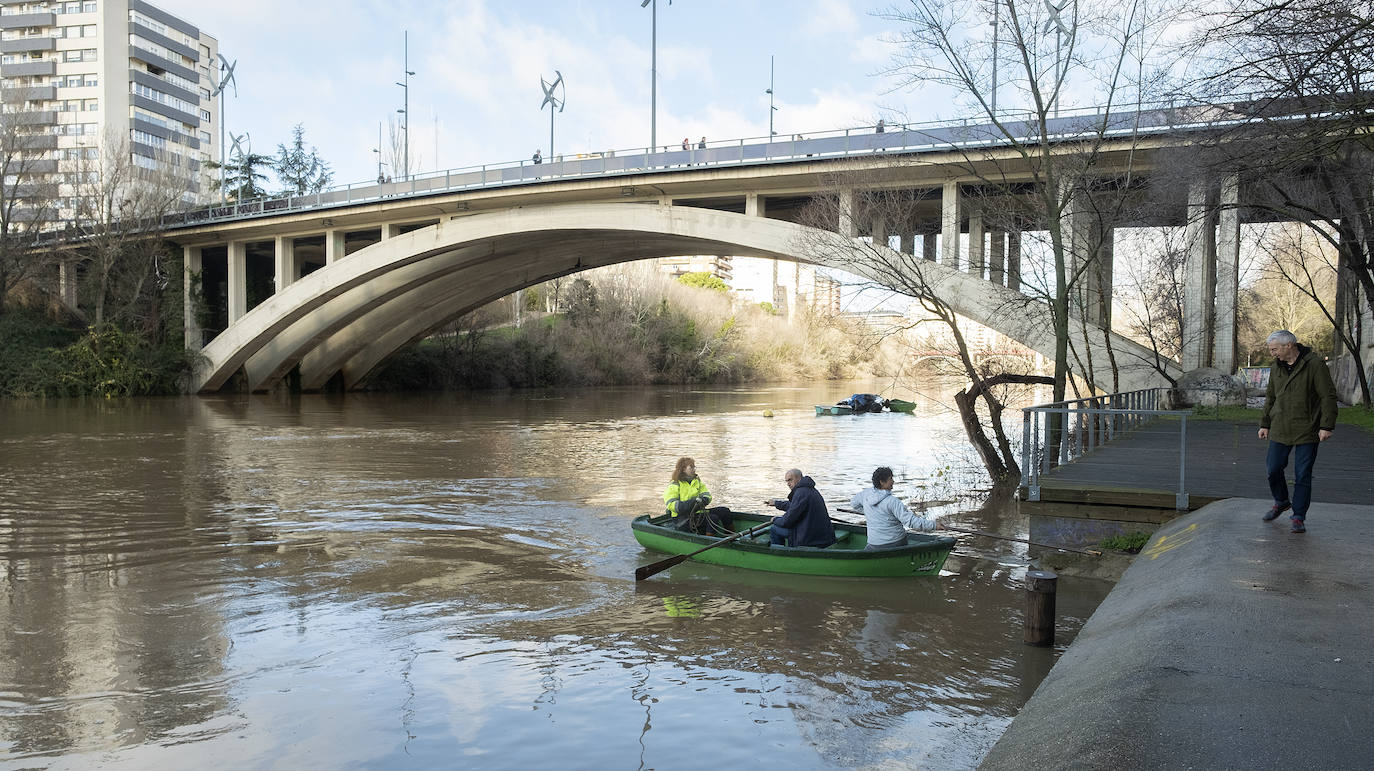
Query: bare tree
(28,195)
(911,275)
(120,198)
(1070,177)
(1305,147)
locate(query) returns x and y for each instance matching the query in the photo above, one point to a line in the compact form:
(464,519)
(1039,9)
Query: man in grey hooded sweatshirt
(887,517)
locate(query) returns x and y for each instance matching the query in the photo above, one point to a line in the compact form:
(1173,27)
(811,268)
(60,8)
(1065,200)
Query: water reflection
(356,581)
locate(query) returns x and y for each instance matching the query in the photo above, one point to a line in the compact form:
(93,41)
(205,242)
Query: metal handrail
(910,137)
(1087,424)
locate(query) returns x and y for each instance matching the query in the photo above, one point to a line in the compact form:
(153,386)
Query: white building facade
(86,78)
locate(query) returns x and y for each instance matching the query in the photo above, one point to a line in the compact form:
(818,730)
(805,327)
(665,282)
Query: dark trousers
(778,535)
(1304,456)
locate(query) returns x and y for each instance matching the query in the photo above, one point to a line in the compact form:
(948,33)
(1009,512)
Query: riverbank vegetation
(634,327)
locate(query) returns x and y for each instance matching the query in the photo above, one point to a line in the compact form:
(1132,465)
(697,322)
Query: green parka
(1299,402)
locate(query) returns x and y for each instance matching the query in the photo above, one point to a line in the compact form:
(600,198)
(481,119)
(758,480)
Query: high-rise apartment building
(82,79)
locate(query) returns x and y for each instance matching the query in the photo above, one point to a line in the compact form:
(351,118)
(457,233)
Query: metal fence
(1087,424)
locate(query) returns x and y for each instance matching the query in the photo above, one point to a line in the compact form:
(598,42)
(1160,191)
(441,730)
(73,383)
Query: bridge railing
(1084,425)
(864,140)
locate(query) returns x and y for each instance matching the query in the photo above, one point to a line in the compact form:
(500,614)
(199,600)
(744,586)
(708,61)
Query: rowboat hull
(899,405)
(923,555)
(833,409)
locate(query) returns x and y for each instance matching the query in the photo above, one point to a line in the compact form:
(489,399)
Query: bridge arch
(347,317)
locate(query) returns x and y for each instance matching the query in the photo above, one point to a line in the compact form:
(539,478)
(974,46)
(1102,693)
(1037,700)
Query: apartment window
(205,115)
(205,93)
(205,136)
(144,137)
(71,7)
(92,105)
(80,55)
(205,52)
(92,80)
(88,7)
(72,81)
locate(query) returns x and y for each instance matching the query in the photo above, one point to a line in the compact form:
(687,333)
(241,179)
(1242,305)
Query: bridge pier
(238,280)
(950,220)
(190,280)
(1228,276)
(1014,260)
(1211,275)
(928,246)
(333,245)
(997,257)
(976,244)
(286,270)
(1089,240)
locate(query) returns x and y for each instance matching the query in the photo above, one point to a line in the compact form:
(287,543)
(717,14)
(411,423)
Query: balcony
(28,20)
(28,94)
(31,142)
(167,65)
(36,166)
(22,69)
(35,118)
(28,44)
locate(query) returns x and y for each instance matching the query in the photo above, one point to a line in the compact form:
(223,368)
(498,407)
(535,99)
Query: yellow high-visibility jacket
(681,491)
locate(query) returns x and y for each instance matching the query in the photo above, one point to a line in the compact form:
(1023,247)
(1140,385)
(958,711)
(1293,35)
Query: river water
(447,581)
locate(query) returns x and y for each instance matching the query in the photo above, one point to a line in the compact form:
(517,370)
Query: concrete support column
(390,230)
(950,220)
(1014,260)
(1228,276)
(928,246)
(908,245)
(976,247)
(1088,240)
(333,246)
(66,283)
(880,231)
(190,287)
(997,257)
(849,202)
(238,280)
(754,205)
(286,269)
(1199,279)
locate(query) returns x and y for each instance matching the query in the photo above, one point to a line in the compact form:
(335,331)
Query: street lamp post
(653,74)
(405,111)
(378,151)
(771,108)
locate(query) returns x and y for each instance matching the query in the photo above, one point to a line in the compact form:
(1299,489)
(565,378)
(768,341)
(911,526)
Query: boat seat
(841,535)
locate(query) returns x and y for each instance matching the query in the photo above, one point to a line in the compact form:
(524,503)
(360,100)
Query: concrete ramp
(1229,643)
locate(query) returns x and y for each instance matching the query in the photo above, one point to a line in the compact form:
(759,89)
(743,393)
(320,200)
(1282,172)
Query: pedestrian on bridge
(1299,414)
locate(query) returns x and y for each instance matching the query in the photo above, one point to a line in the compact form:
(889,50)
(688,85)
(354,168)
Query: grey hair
(1282,337)
(796,472)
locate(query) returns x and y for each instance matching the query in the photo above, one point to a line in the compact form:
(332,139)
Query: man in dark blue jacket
(806,521)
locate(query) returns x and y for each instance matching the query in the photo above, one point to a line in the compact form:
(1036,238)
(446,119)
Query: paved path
(1224,459)
(1229,643)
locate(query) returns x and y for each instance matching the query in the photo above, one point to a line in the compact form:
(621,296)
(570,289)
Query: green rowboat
(899,405)
(923,555)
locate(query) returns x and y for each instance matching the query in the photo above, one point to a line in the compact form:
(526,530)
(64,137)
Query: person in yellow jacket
(686,501)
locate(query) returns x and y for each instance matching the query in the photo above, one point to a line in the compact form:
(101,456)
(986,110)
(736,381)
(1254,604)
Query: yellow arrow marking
(1167,543)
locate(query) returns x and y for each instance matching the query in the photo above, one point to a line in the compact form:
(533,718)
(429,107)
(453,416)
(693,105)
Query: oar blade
(644,572)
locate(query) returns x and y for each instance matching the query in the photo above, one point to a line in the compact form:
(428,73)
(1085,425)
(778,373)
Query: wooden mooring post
(1040,589)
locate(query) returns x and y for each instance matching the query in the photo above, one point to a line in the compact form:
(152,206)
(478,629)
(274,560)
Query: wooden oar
(998,537)
(662,565)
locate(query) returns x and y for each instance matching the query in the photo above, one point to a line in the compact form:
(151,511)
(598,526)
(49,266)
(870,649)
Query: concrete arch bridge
(345,318)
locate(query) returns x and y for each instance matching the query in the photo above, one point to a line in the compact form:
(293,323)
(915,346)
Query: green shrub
(1130,542)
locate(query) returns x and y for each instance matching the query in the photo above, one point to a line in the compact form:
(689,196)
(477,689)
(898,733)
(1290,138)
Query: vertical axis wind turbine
(226,78)
(555,103)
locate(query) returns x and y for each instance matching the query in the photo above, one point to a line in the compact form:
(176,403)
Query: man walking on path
(1299,414)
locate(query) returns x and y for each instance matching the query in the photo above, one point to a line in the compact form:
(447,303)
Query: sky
(333,66)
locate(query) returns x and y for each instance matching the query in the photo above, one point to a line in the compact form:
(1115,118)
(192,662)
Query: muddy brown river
(446,581)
